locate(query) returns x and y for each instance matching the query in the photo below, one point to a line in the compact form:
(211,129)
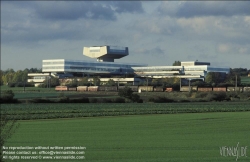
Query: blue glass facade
(70,66)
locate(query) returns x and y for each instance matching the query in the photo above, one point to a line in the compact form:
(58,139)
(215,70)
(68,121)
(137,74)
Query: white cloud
(224,48)
(243,50)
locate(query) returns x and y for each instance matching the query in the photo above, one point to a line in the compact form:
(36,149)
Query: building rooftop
(105,53)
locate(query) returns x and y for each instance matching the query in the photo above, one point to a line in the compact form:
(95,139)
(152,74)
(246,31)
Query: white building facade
(106,67)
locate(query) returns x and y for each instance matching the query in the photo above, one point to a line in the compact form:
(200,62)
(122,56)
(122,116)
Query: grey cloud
(157,51)
(90,10)
(128,6)
(74,10)
(207,8)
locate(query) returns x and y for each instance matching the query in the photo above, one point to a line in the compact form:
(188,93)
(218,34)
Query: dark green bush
(119,100)
(140,101)
(184,100)
(93,100)
(217,96)
(105,100)
(8,97)
(151,99)
(201,94)
(79,100)
(64,100)
(160,99)
(233,95)
(40,100)
(11,84)
(135,97)
(4,100)
(244,95)
(201,100)
(125,92)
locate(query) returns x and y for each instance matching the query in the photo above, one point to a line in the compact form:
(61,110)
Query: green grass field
(245,80)
(142,138)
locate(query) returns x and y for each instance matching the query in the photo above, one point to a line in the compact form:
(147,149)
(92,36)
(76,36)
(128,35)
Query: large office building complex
(106,67)
(67,68)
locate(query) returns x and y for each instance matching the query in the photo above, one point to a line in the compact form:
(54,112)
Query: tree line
(18,77)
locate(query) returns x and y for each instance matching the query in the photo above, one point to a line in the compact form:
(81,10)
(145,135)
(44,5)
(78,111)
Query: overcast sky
(157,33)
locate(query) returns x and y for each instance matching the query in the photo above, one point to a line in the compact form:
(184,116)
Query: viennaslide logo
(234,151)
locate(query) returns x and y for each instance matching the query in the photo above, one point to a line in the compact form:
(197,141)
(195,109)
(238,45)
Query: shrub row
(222,96)
(200,97)
(107,100)
(4,100)
(20,84)
(160,99)
(79,100)
(23,114)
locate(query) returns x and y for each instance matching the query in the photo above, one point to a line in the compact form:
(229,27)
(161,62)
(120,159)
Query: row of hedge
(20,84)
(200,97)
(168,98)
(78,100)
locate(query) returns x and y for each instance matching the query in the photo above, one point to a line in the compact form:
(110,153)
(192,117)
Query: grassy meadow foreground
(189,129)
(192,137)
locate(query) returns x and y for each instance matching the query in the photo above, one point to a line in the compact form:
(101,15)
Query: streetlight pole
(189,85)
(47,81)
(180,83)
(24,86)
(235,82)
(147,84)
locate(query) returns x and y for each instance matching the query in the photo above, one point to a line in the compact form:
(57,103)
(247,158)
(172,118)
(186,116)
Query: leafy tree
(8,77)
(52,82)
(83,82)
(34,70)
(73,83)
(136,98)
(215,78)
(1,79)
(200,83)
(125,92)
(177,63)
(231,78)
(111,82)
(96,81)
(17,76)
(166,82)
(157,82)
(9,70)
(128,93)
(240,71)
